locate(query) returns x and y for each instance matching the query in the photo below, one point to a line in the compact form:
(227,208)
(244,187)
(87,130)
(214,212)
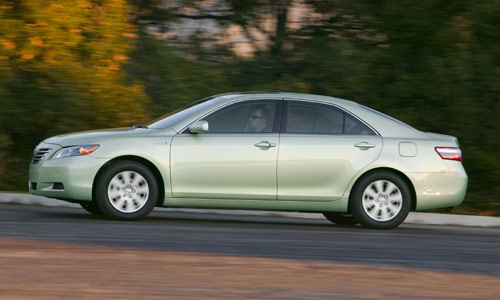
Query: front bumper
(68,178)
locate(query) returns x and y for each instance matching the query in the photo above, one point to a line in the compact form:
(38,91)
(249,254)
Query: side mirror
(198,127)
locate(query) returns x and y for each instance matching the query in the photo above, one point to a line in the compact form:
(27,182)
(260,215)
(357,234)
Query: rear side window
(315,118)
(354,126)
(304,117)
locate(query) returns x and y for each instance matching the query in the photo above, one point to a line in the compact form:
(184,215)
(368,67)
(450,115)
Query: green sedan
(258,151)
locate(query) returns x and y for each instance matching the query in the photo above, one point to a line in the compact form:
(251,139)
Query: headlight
(75,151)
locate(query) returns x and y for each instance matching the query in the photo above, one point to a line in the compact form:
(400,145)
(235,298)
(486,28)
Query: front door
(235,159)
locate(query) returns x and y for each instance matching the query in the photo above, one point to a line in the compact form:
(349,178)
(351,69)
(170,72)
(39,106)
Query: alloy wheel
(382,200)
(128,191)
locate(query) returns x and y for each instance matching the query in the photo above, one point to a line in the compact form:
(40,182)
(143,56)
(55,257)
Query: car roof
(286,95)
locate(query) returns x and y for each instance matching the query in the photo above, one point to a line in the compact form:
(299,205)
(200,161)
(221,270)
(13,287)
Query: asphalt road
(447,248)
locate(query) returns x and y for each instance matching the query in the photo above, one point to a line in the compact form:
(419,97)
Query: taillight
(450,153)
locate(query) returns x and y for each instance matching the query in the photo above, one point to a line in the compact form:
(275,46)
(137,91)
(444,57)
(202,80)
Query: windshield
(172,118)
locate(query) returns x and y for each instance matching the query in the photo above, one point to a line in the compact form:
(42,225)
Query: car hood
(94,136)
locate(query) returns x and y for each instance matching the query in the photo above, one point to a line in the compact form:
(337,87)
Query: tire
(343,219)
(381,200)
(127,190)
(91,207)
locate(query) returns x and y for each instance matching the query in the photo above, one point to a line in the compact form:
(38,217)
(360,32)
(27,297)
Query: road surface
(441,248)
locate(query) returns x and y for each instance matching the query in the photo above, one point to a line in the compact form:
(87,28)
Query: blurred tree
(61,71)
(171,80)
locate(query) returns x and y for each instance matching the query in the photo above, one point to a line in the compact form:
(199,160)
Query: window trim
(285,118)
(277,114)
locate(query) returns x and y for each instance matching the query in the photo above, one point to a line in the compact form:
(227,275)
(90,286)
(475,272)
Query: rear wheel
(127,190)
(381,200)
(345,219)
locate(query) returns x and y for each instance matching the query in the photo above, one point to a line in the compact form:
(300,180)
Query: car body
(258,151)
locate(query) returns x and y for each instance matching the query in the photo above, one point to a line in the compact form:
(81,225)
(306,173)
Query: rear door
(322,147)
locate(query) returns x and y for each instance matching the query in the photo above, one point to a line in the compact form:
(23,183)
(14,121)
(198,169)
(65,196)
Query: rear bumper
(68,178)
(440,190)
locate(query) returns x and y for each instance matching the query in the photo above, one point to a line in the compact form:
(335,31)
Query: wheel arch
(396,172)
(148,164)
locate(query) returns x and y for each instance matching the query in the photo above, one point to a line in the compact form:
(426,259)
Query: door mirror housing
(198,127)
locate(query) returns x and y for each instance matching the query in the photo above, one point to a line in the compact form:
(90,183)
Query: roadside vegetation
(69,65)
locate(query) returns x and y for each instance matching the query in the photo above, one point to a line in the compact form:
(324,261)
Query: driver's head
(260,119)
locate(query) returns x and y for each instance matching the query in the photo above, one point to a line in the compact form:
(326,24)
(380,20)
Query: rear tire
(381,200)
(343,219)
(127,190)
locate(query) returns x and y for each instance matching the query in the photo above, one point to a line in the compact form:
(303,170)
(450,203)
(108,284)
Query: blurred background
(73,65)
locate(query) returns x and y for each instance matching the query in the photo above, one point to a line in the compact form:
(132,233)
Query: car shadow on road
(162,218)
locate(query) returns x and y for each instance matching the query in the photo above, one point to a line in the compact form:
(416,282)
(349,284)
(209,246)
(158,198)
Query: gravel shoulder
(47,270)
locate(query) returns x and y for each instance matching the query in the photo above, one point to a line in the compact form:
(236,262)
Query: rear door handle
(265,144)
(364,145)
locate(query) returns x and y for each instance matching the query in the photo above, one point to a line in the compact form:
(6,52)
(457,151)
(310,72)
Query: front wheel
(381,200)
(127,190)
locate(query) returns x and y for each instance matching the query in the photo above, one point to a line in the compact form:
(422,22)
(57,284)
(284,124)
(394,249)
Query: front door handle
(364,145)
(265,144)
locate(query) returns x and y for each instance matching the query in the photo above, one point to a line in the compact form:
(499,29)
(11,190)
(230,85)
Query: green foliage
(171,80)
(60,71)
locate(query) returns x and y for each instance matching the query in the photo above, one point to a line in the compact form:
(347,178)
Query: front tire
(127,190)
(381,200)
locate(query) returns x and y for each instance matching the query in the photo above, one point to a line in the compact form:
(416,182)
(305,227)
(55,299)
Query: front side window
(315,118)
(244,117)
